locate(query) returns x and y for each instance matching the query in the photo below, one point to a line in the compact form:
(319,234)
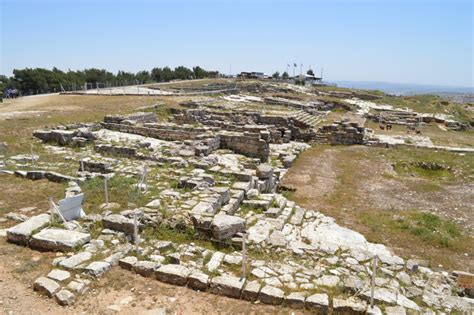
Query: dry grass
(16,193)
(343,182)
(435,133)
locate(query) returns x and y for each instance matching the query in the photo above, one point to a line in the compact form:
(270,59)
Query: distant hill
(405,88)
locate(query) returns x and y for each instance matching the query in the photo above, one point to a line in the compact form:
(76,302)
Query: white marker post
(244,255)
(135,232)
(145,173)
(142,180)
(82,165)
(32,157)
(372,284)
(106,192)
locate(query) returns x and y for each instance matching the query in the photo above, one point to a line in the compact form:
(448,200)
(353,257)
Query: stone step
(21,233)
(54,239)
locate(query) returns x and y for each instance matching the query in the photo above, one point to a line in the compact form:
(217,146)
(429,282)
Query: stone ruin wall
(122,151)
(344,133)
(140,117)
(247,144)
(164,134)
(281,128)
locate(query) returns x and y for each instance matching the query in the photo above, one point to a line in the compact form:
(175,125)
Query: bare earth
(121,292)
(344,182)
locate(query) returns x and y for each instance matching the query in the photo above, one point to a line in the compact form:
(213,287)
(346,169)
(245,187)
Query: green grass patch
(424,227)
(120,190)
(424,169)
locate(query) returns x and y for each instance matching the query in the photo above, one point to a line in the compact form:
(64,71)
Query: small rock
(251,291)
(97,268)
(154,204)
(59,275)
(198,281)
(271,295)
(318,302)
(295,300)
(128,262)
(46,286)
(76,286)
(146,268)
(65,297)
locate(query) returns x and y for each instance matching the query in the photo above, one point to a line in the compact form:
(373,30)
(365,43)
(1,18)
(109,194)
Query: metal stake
(372,284)
(142,180)
(32,157)
(106,192)
(135,232)
(244,255)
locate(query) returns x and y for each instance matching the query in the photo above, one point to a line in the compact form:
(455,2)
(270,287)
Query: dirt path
(314,176)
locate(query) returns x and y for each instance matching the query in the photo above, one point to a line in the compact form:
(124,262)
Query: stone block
(244,186)
(264,171)
(174,274)
(349,306)
(198,281)
(257,204)
(227,285)
(146,268)
(54,239)
(21,233)
(318,303)
(225,226)
(59,275)
(65,297)
(97,268)
(295,299)
(128,262)
(271,295)
(77,287)
(119,222)
(75,260)
(46,286)
(251,291)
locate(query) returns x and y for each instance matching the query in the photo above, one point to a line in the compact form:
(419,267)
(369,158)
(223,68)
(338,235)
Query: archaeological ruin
(212,170)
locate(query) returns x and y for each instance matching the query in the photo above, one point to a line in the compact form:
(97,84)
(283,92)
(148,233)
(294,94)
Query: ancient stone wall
(343,132)
(159,132)
(249,144)
(141,117)
(122,151)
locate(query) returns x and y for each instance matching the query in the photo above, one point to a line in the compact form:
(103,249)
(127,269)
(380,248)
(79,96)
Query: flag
(295,65)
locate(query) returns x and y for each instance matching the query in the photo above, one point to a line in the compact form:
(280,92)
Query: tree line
(39,80)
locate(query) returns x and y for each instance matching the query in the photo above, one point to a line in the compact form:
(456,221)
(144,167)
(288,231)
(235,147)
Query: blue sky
(417,41)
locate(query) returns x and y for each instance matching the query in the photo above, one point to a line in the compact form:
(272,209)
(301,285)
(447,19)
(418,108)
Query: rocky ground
(184,196)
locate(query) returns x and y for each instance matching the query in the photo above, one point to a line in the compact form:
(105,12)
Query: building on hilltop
(308,78)
(252,75)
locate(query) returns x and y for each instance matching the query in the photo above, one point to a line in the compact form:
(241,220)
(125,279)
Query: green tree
(182,73)
(285,76)
(157,74)
(276,75)
(167,74)
(143,76)
(200,73)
